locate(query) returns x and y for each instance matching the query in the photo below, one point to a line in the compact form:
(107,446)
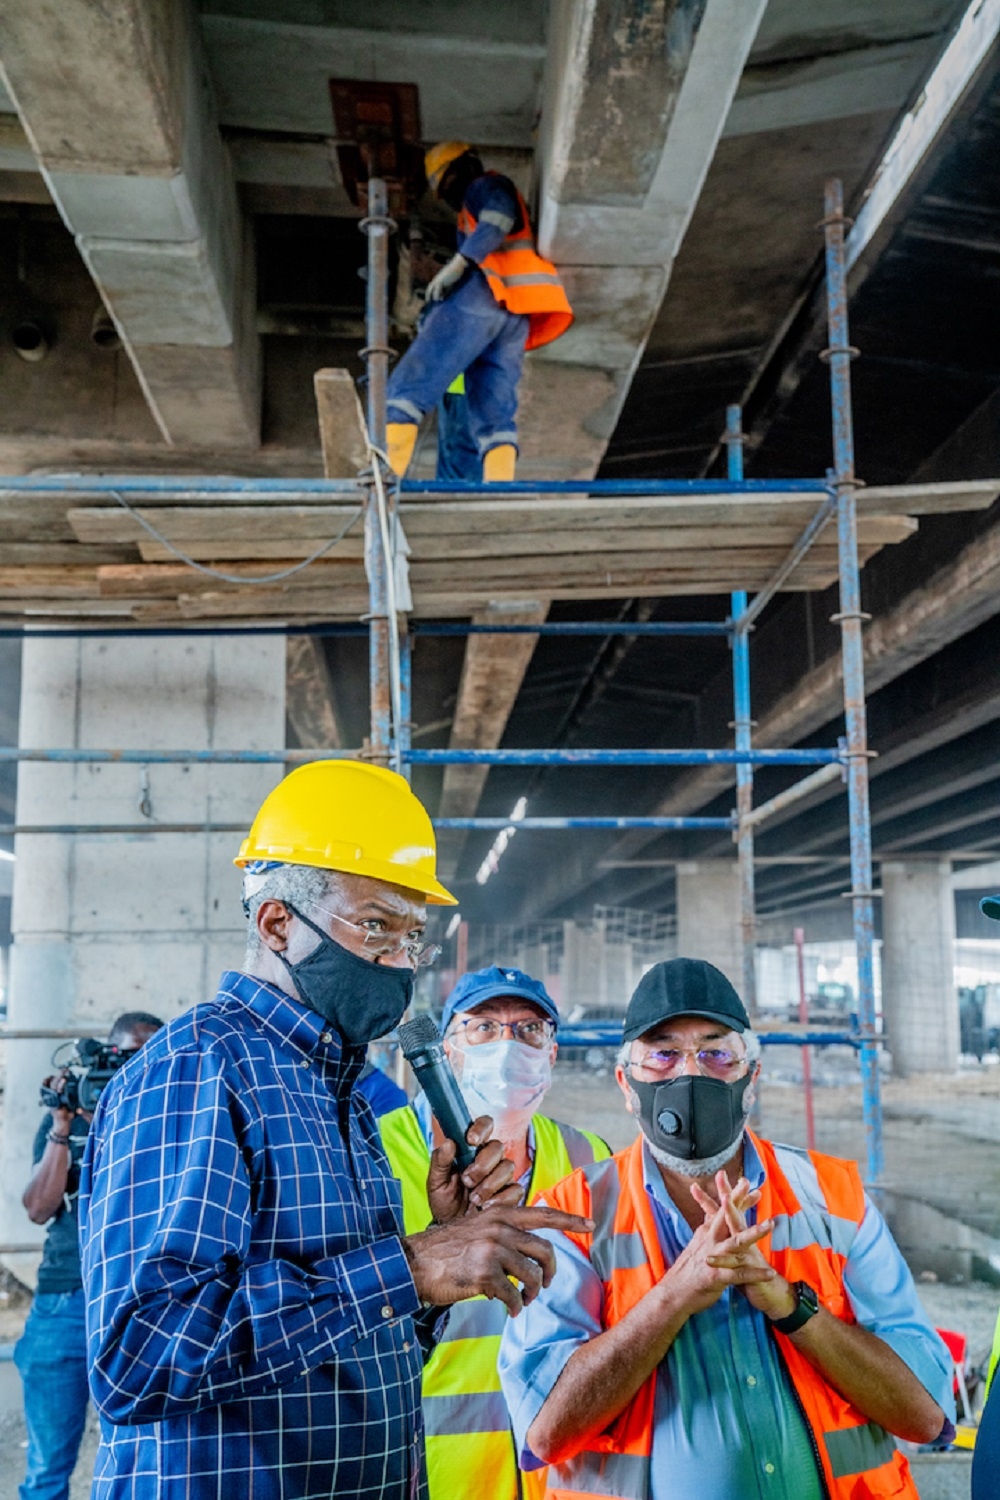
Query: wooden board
(465,552)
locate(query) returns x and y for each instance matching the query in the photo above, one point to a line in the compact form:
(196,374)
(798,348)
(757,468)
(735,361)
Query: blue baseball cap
(990,907)
(497,984)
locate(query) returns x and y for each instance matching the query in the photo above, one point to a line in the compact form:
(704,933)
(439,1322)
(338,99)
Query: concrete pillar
(919,1000)
(708,914)
(103,922)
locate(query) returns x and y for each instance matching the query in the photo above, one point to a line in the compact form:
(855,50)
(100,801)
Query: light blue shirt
(727,1421)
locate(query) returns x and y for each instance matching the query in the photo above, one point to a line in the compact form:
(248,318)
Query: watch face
(807,1296)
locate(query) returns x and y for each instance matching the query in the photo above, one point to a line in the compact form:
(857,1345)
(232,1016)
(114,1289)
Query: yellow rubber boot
(499,463)
(400,441)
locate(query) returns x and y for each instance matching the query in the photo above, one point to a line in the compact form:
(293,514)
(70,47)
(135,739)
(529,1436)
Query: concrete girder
(636,98)
(115,103)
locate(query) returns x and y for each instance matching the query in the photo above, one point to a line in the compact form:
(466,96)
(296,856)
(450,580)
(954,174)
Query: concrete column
(104,922)
(708,914)
(919,1000)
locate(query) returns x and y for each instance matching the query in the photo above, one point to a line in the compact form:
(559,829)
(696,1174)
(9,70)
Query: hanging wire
(395,673)
(234,577)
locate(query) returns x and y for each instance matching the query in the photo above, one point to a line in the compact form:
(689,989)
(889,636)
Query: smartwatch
(806,1307)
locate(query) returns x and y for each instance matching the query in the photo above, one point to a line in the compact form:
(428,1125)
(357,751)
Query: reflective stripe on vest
(522,280)
(817,1203)
(465,1417)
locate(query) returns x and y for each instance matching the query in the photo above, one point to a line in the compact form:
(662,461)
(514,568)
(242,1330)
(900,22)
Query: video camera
(89,1072)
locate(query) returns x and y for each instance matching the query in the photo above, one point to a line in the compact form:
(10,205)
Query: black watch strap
(807,1307)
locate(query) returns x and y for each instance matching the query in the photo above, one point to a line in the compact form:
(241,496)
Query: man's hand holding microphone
(467,1252)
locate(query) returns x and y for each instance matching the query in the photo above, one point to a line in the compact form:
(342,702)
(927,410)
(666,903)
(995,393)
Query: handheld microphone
(424,1051)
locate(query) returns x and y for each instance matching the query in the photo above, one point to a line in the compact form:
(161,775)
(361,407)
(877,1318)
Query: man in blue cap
(499,1027)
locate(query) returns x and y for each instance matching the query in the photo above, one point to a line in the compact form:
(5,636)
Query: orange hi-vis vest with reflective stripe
(817,1203)
(524,281)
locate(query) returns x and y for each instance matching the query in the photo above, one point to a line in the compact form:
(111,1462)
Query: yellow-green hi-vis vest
(994,1357)
(470,1446)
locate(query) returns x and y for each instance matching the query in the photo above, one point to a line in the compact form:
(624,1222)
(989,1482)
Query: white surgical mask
(506,1080)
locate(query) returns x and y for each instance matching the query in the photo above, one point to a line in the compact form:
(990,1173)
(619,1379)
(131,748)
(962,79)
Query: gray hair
(750,1038)
(297,885)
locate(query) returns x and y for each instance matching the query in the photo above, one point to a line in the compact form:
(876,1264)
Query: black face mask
(692,1118)
(363,999)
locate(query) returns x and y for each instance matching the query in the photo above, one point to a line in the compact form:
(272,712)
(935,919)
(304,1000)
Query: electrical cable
(233,577)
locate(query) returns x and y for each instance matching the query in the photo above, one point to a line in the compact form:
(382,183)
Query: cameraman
(52,1352)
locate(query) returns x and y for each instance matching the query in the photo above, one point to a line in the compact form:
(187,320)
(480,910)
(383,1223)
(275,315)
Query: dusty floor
(942,1199)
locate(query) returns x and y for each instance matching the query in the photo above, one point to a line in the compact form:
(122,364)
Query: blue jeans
(458,456)
(469,331)
(52,1358)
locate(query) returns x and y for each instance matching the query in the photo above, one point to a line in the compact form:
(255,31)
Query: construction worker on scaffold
(494,299)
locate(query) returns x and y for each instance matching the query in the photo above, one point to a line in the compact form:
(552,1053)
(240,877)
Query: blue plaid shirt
(250,1308)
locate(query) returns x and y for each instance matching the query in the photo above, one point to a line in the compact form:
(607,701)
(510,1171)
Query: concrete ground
(942,1169)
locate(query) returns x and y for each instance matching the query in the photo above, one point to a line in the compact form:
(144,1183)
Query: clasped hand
(492,1253)
(723,1252)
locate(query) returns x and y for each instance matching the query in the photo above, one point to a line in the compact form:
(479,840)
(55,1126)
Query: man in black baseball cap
(740,1322)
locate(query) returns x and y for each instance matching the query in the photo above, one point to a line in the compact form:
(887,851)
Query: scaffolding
(391,637)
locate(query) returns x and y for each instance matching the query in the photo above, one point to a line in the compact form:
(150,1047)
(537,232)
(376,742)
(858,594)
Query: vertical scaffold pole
(839,355)
(377,225)
(743,732)
(405,698)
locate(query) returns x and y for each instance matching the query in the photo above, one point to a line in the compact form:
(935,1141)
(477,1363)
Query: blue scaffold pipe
(559,823)
(196,486)
(622,757)
(581,627)
(427,757)
(609,1034)
(623,487)
(358,629)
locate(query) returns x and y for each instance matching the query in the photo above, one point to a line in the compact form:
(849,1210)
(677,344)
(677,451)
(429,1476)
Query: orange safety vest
(524,281)
(817,1203)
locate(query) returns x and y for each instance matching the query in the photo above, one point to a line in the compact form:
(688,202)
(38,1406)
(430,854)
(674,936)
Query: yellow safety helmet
(346,815)
(439,158)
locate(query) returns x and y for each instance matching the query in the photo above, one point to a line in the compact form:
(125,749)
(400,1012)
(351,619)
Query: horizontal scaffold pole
(215,486)
(430,757)
(8,830)
(609,1034)
(622,757)
(350,628)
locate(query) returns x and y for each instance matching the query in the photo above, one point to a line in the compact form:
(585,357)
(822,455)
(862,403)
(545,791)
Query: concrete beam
(115,103)
(492,673)
(309,694)
(635,100)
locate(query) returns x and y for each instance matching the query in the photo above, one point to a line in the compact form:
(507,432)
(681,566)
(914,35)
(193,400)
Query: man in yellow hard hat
(495,297)
(258,1318)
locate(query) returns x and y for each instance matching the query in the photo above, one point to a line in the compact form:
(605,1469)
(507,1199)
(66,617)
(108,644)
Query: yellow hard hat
(346,815)
(439,158)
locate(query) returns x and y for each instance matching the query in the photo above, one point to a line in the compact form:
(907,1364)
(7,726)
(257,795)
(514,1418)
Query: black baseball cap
(683,987)
(990,907)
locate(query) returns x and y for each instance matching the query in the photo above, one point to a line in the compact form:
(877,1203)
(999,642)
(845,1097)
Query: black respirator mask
(361,998)
(693,1118)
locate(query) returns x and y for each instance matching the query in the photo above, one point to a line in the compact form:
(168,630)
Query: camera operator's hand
(62,1119)
(487,1183)
(480,1253)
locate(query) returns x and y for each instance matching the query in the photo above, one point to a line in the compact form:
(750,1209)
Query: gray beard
(706,1166)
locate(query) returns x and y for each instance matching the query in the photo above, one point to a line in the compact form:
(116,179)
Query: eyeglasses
(476,1030)
(381,944)
(669,1062)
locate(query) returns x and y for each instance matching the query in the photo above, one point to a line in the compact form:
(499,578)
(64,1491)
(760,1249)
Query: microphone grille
(420,1032)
